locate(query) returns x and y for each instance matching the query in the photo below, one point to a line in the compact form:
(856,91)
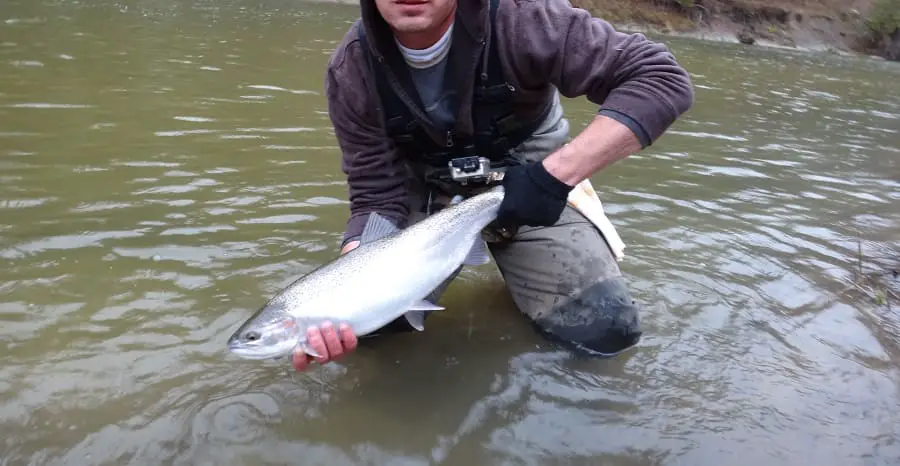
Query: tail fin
(585,200)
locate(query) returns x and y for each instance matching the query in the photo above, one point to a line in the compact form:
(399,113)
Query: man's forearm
(603,142)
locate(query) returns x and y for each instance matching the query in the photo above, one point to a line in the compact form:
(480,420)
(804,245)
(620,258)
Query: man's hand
(324,340)
(327,342)
(533,197)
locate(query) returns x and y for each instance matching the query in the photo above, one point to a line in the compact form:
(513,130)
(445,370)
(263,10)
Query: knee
(602,319)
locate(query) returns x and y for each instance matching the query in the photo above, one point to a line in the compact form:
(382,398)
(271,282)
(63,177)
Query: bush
(885,16)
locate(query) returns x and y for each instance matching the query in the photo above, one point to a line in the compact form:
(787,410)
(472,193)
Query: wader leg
(565,278)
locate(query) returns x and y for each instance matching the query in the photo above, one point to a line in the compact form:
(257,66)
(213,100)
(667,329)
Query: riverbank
(841,26)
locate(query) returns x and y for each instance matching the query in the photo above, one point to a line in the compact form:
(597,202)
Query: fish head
(270,334)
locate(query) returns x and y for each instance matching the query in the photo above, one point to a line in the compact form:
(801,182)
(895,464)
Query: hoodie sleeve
(376,176)
(632,79)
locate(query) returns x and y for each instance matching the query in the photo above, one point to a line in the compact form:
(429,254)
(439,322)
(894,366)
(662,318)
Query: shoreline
(707,35)
(833,26)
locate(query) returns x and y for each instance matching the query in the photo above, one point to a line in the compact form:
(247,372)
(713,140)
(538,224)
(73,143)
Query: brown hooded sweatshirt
(545,46)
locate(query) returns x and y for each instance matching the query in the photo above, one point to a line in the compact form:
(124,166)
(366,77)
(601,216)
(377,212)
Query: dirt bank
(850,26)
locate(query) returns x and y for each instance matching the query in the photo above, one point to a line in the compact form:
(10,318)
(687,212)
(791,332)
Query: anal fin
(416,313)
(377,227)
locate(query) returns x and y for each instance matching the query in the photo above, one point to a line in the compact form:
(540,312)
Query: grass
(681,14)
(663,14)
(877,275)
(859,25)
(885,16)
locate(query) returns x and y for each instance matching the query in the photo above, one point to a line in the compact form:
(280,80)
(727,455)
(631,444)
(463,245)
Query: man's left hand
(533,197)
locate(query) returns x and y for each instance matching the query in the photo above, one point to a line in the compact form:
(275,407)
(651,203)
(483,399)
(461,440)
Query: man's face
(415,16)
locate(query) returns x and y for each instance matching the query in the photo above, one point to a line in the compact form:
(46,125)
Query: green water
(165,166)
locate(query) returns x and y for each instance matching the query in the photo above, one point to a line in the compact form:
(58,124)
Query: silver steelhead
(390,274)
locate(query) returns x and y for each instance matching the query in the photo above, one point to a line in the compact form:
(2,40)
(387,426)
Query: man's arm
(640,88)
(603,142)
(376,177)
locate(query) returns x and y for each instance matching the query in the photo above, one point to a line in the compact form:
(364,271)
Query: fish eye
(251,336)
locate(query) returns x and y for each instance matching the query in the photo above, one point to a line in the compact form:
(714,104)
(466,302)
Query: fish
(389,275)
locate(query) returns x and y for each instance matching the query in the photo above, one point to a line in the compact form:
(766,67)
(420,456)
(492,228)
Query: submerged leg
(565,278)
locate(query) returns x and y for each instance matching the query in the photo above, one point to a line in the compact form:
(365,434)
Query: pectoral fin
(376,227)
(308,350)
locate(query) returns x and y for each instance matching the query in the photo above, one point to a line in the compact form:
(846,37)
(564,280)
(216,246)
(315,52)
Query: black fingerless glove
(533,197)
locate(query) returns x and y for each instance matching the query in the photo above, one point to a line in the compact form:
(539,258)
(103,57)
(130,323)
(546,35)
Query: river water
(165,166)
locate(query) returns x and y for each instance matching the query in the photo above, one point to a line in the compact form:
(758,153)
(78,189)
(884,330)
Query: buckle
(473,169)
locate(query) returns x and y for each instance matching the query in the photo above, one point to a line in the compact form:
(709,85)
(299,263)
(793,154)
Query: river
(166,166)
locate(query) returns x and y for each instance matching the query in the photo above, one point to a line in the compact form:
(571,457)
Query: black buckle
(466,164)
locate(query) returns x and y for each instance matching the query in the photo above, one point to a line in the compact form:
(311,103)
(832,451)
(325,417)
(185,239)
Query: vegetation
(868,26)
(885,17)
(662,14)
(877,274)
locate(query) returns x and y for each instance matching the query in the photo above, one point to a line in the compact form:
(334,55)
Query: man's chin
(412,25)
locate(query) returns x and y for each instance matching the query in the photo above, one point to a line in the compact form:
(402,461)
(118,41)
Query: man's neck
(424,39)
(429,56)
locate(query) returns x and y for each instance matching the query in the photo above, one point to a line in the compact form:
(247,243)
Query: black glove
(533,197)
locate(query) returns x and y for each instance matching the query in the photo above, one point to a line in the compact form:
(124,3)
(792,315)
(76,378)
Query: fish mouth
(270,334)
(269,342)
(245,351)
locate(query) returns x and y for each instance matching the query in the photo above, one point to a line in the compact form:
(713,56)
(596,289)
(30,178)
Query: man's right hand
(328,343)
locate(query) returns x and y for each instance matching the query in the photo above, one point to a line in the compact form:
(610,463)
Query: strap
(400,124)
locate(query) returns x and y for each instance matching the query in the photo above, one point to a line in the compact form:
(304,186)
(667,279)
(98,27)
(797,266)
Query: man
(419,86)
